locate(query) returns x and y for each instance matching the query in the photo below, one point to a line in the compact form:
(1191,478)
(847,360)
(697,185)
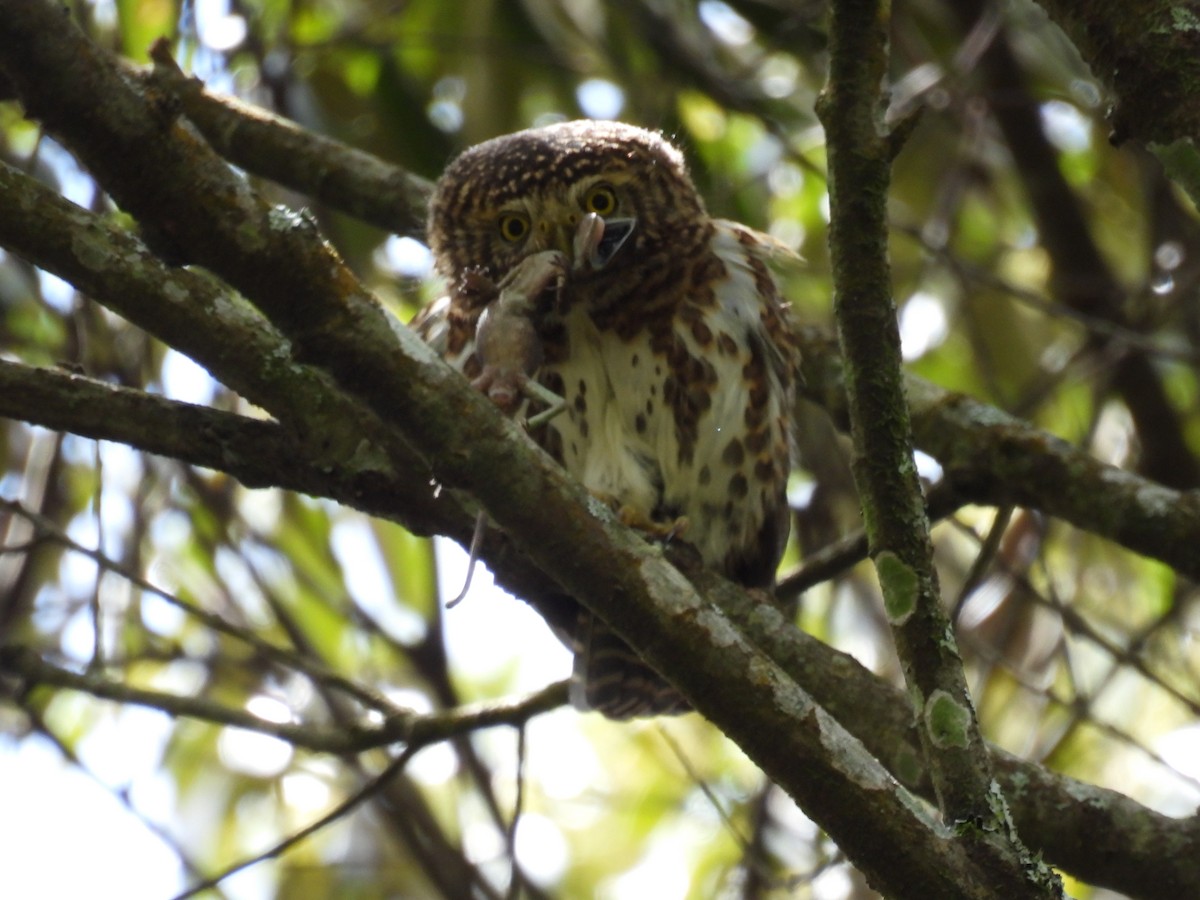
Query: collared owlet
(664,334)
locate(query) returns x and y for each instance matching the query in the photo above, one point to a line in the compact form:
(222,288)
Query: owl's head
(526,192)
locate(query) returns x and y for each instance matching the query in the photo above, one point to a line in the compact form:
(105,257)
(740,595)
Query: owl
(664,334)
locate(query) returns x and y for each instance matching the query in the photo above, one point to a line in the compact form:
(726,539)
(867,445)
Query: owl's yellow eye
(601,200)
(514,226)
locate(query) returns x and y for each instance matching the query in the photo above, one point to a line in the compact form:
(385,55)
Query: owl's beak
(584,243)
(590,244)
(616,233)
(597,241)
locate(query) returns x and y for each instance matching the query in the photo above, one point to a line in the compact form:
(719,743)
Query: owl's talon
(678,529)
(639,520)
(652,528)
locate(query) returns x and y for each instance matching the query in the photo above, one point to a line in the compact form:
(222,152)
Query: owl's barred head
(521,193)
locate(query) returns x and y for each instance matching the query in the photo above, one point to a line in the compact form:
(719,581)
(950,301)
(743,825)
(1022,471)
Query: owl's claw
(639,520)
(663,531)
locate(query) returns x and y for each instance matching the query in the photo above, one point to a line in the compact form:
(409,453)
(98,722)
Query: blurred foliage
(1081,654)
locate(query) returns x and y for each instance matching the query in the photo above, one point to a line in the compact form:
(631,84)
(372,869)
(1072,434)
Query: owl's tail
(612,679)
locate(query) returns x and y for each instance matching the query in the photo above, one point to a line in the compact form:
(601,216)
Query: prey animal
(506,339)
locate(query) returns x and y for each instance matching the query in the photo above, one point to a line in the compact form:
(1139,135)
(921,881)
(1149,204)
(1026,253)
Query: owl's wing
(448,326)
(776,335)
(432,325)
(764,323)
(769,249)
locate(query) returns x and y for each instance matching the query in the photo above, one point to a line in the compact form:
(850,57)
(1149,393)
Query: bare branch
(993,458)
(412,729)
(268,145)
(347,806)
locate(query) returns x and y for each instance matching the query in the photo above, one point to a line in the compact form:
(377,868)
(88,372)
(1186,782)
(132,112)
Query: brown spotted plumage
(670,348)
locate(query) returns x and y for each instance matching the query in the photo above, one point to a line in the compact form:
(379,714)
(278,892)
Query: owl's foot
(664,531)
(639,520)
(659,531)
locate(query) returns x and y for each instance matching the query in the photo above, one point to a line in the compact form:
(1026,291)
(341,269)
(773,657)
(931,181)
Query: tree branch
(257,452)
(185,309)
(1111,841)
(897,528)
(268,145)
(413,729)
(198,316)
(993,458)
(1147,53)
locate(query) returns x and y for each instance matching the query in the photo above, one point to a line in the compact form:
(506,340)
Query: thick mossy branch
(897,528)
(189,311)
(201,317)
(1147,53)
(893,506)
(993,458)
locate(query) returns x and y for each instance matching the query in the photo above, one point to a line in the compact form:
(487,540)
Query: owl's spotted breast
(675,357)
(687,414)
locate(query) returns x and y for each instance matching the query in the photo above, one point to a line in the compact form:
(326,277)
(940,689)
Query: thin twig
(343,809)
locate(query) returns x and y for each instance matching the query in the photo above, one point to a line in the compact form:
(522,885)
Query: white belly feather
(604,447)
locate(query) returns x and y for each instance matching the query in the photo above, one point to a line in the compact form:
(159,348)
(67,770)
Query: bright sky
(62,835)
(53,811)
